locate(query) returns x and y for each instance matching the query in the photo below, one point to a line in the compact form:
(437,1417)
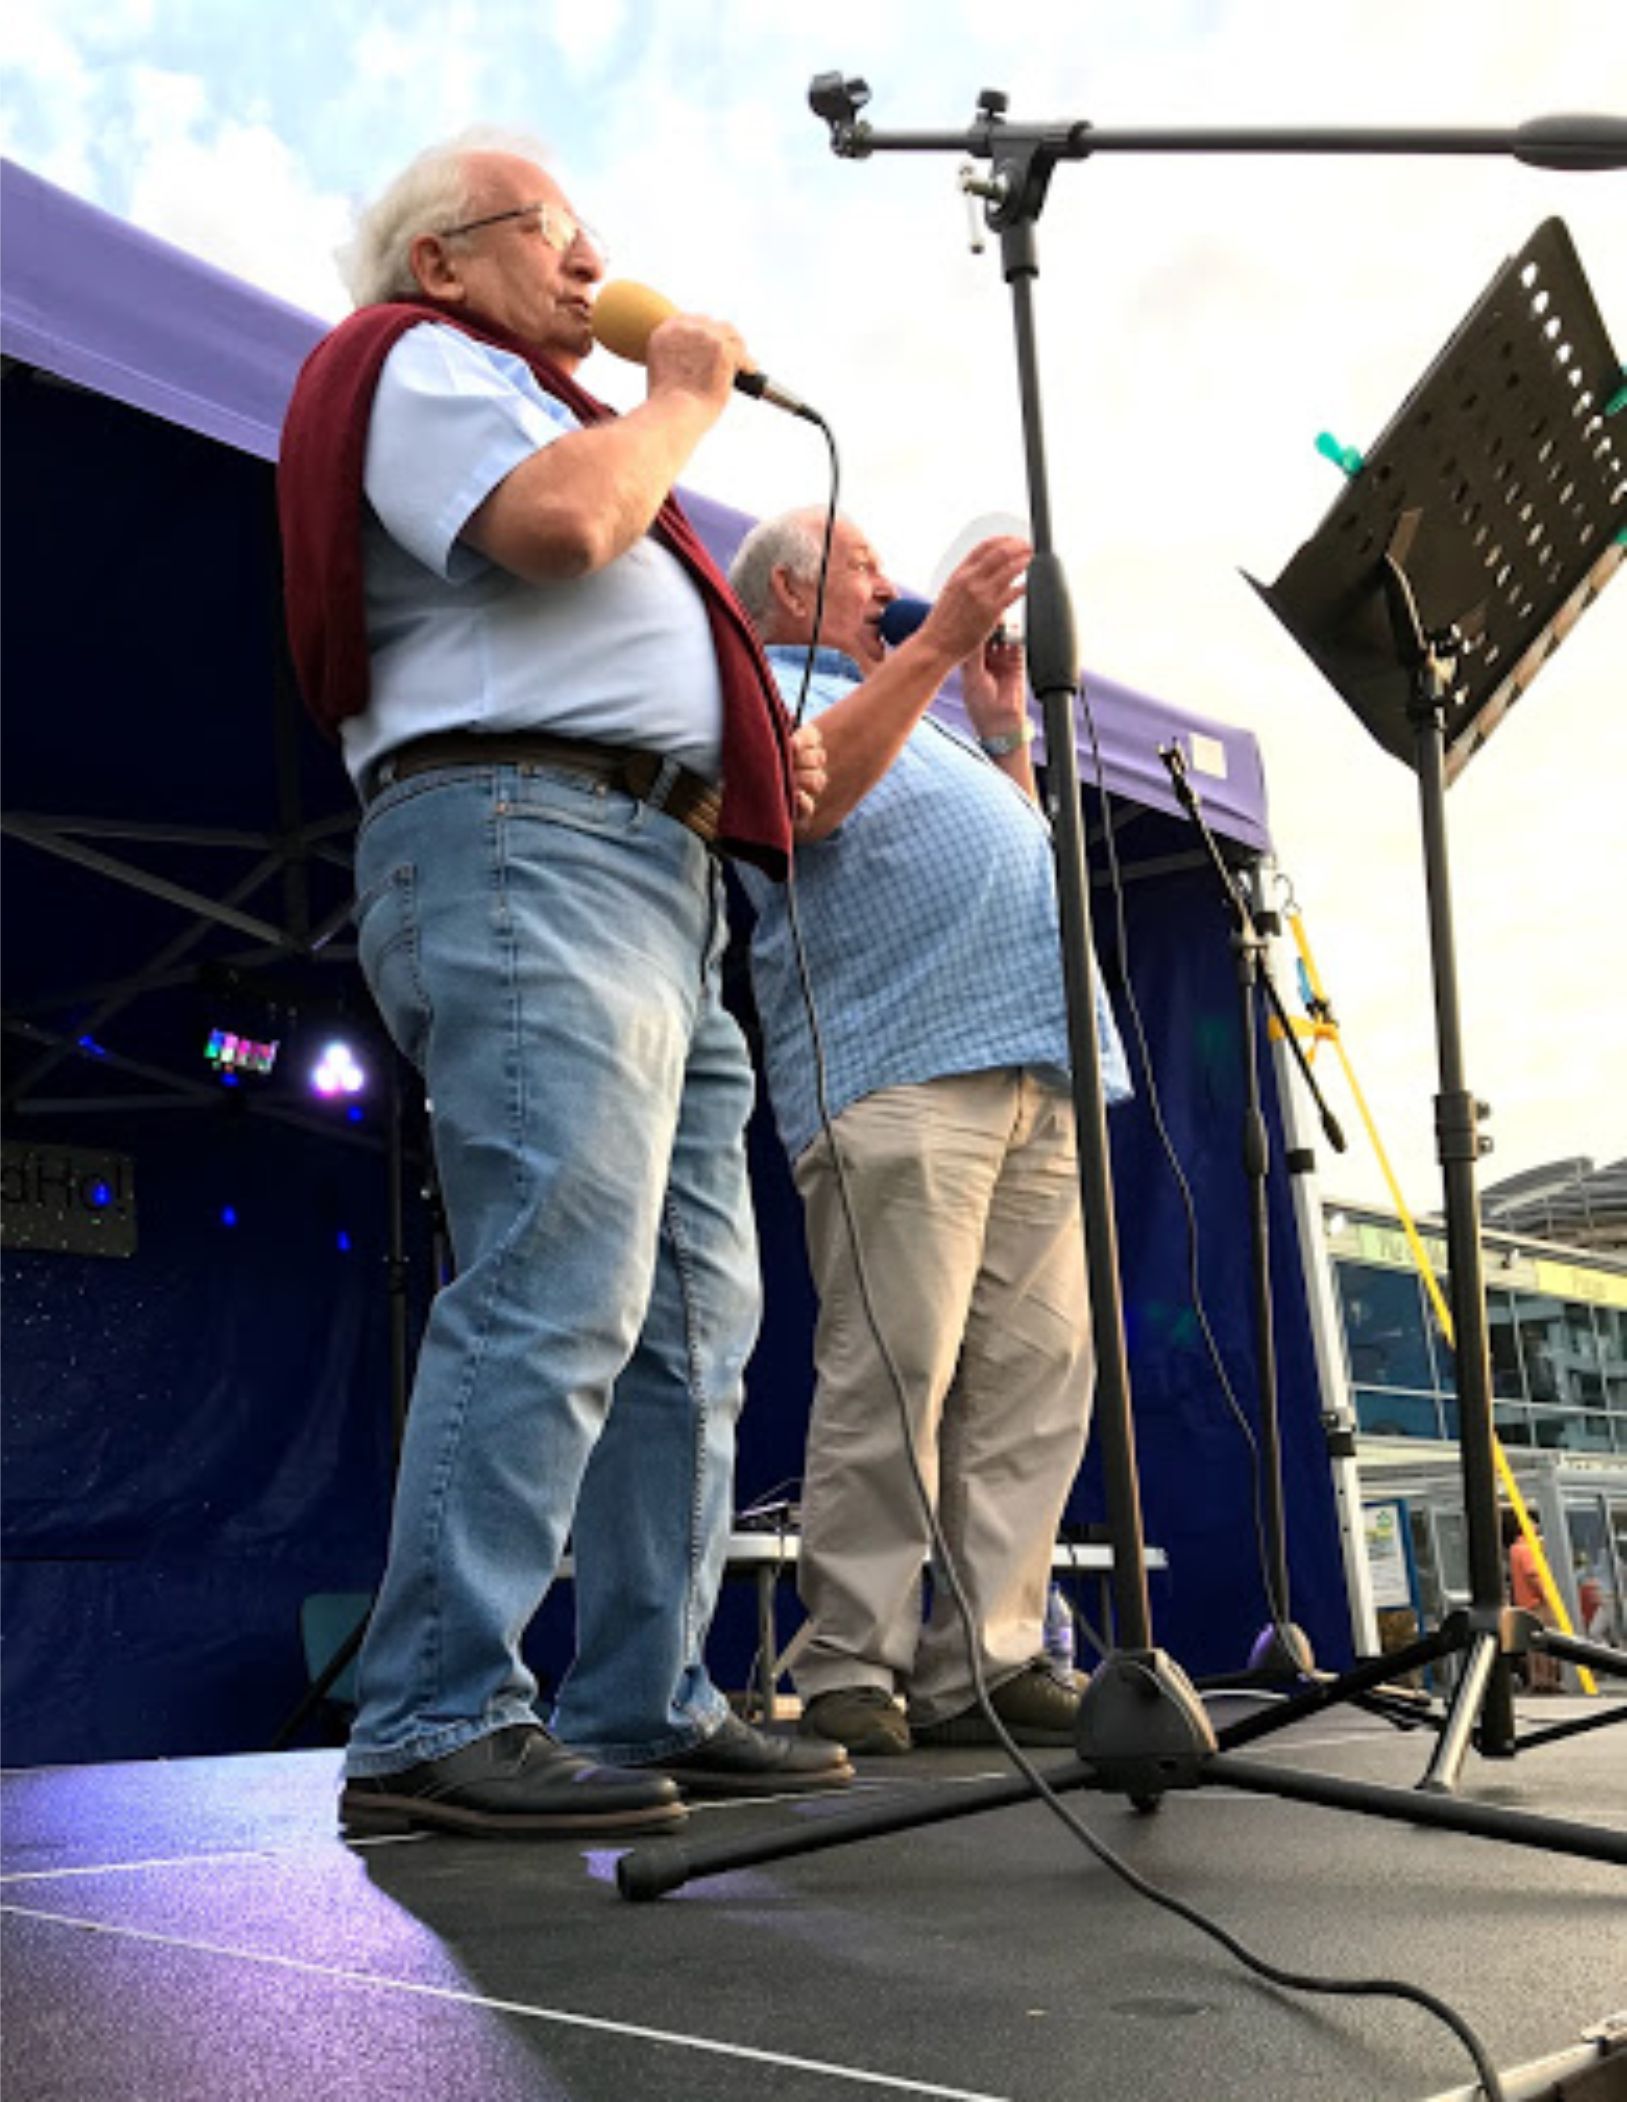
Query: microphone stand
(1283,1651)
(1142,1728)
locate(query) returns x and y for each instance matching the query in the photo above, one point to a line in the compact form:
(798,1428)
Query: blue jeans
(547,952)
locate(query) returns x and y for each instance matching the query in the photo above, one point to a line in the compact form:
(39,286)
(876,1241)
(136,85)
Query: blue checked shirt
(929,921)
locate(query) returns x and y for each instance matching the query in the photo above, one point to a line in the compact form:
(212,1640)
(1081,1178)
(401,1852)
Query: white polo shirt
(621,657)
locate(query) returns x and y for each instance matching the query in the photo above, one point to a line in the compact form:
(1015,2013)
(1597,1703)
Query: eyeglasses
(558,227)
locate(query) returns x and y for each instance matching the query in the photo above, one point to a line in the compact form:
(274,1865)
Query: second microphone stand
(1283,1651)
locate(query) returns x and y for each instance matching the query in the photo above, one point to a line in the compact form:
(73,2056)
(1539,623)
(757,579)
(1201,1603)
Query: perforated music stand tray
(1482,525)
(1504,472)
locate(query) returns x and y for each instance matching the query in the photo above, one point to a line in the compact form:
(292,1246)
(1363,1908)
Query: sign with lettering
(1387,1554)
(67,1199)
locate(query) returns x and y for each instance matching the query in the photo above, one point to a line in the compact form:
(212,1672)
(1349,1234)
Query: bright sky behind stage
(1201,321)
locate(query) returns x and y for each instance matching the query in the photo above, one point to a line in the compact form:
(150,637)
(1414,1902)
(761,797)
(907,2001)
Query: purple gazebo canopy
(101,304)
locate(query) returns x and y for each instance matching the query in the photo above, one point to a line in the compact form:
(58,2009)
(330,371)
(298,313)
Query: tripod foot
(1142,1729)
(1282,1652)
(651,1871)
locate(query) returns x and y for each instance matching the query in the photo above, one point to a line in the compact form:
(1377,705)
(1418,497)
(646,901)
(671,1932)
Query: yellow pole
(1324,1027)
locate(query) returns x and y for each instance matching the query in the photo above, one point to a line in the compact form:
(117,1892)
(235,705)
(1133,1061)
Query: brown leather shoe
(516,1781)
(864,1718)
(1037,1708)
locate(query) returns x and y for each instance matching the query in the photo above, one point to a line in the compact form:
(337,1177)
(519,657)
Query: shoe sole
(736,1787)
(379,1816)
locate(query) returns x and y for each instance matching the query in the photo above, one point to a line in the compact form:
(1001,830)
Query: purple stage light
(337,1072)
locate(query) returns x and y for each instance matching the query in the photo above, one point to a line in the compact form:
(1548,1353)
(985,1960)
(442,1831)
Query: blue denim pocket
(387,946)
(563,796)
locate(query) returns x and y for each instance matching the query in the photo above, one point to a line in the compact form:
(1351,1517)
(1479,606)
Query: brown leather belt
(662,783)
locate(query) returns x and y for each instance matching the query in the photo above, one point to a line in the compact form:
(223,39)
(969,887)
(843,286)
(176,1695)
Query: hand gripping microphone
(905,614)
(626,315)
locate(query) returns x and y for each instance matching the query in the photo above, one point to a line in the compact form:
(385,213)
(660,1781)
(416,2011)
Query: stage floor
(195,1931)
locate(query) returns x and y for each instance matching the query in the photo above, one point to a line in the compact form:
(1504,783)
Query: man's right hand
(580,502)
(694,355)
(968,608)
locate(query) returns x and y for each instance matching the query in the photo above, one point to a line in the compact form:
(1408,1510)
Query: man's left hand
(994,686)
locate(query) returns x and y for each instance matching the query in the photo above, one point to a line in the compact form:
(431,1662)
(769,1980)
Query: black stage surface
(195,1931)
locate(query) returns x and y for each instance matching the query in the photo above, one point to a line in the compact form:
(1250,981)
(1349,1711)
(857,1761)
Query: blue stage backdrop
(196,1438)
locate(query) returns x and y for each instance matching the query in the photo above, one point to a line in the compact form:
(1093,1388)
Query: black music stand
(1482,524)
(1142,1730)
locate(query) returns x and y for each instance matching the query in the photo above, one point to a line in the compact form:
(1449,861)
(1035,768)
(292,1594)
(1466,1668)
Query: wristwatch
(1008,741)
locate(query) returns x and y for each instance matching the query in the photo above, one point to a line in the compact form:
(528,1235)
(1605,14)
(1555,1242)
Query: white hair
(794,541)
(434,191)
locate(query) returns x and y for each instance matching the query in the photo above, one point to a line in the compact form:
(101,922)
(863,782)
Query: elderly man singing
(557,718)
(927,908)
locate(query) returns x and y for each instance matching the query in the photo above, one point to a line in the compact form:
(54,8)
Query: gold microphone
(625,316)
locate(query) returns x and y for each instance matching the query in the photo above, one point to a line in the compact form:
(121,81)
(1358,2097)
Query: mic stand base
(1142,1728)
(664,1865)
(1282,1653)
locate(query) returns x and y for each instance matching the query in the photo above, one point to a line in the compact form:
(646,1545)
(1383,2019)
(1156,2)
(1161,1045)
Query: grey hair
(794,541)
(433,191)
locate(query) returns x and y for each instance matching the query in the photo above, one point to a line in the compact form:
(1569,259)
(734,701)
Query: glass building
(1557,1322)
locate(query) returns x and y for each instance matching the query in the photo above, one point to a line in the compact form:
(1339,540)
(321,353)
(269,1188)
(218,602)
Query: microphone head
(626,315)
(901,619)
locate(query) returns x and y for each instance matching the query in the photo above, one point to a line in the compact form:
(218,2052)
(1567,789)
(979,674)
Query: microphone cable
(943,1561)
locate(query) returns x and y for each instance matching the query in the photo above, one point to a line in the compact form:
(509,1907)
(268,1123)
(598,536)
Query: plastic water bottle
(1059,1633)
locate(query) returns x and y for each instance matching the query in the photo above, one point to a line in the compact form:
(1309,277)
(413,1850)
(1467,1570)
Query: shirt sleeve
(451,417)
(823,692)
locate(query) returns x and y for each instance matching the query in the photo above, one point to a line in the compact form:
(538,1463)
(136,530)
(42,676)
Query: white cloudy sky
(1201,321)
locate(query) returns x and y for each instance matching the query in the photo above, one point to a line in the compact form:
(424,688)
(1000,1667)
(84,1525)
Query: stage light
(337,1072)
(230,1053)
(228,1215)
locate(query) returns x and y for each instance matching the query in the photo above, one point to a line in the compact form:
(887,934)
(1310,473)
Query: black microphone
(901,619)
(626,315)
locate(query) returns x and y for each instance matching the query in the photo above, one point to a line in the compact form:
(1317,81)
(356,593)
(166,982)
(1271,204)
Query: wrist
(1000,744)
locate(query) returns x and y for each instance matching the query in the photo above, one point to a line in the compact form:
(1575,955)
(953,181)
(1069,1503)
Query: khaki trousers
(966,1196)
